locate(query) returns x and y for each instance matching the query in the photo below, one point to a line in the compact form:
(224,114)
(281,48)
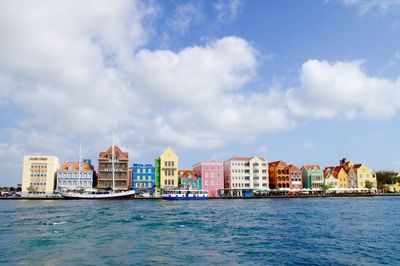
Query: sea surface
(310,231)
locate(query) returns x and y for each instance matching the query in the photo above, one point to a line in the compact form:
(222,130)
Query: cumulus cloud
(69,70)
(343,89)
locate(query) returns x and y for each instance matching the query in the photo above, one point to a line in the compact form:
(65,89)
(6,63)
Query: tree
(31,189)
(325,187)
(385,177)
(369,184)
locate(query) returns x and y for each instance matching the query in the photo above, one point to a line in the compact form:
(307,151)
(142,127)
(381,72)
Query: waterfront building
(189,180)
(330,180)
(122,179)
(341,176)
(212,176)
(167,170)
(296,177)
(351,174)
(313,176)
(143,176)
(392,188)
(243,175)
(38,175)
(75,175)
(279,175)
(365,175)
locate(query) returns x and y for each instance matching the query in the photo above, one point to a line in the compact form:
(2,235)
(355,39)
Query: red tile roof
(312,166)
(75,166)
(294,168)
(117,150)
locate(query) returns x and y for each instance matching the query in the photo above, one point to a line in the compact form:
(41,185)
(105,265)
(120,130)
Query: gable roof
(75,166)
(187,173)
(117,150)
(293,167)
(310,167)
(276,163)
(168,150)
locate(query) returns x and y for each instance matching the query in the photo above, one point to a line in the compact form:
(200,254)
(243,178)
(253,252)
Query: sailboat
(96,194)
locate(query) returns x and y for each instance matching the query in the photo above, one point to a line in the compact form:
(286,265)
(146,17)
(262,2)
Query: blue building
(75,175)
(143,176)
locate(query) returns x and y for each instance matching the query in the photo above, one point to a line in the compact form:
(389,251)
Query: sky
(299,81)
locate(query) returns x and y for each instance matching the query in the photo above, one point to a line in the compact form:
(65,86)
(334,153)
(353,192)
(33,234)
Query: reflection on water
(260,231)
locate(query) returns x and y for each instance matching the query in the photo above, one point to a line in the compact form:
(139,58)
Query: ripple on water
(229,232)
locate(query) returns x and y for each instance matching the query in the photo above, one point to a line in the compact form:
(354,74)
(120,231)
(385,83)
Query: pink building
(212,176)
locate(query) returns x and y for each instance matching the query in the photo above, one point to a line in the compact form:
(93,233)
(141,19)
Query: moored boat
(94,194)
(184,194)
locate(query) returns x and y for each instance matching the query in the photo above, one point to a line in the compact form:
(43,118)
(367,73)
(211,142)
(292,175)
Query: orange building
(279,175)
(122,180)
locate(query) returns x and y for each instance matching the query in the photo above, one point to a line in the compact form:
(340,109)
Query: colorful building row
(238,176)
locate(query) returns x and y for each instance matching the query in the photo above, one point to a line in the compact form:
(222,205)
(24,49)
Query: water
(317,231)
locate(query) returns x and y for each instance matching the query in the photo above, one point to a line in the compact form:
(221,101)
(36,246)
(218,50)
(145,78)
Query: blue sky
(301,81)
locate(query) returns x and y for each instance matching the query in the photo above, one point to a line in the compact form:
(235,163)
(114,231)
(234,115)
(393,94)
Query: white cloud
(344,90)
(71,69)
(366,6)
(186,15)
(227,10)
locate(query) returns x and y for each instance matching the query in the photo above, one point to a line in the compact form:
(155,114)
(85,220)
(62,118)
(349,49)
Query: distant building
(189,180)
(212,176)
(38,175)
(279,175)
(296,177)
(143,176)
(313,176)
(122,179)
(167,165)
(364,175)
(74,175)
(330,179)
(243,175)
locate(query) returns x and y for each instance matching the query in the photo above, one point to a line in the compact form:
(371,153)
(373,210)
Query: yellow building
(364,174)
(395,188)
(38,175)
(342,177)
(167,166)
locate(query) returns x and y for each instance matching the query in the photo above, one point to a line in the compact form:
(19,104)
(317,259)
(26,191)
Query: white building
(245,174)
(38,175)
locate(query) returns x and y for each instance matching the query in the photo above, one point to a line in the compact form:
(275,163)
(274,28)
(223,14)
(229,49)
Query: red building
(121,170)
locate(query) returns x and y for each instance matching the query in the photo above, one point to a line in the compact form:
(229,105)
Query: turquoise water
(316,231)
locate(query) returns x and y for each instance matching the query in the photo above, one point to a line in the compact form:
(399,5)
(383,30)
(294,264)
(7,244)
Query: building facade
(74,175)
(279,175)
(167,165)
(189,180)
(212,176)
(245,174)
(313,176)
(122,178)
(330,180)
(38,175)
(143,176)
(364,175)
(296,177)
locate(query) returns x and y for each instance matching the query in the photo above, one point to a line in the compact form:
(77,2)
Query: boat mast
(113,158)
(79,166)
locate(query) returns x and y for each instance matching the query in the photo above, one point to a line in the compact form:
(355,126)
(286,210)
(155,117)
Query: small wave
(57,223)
